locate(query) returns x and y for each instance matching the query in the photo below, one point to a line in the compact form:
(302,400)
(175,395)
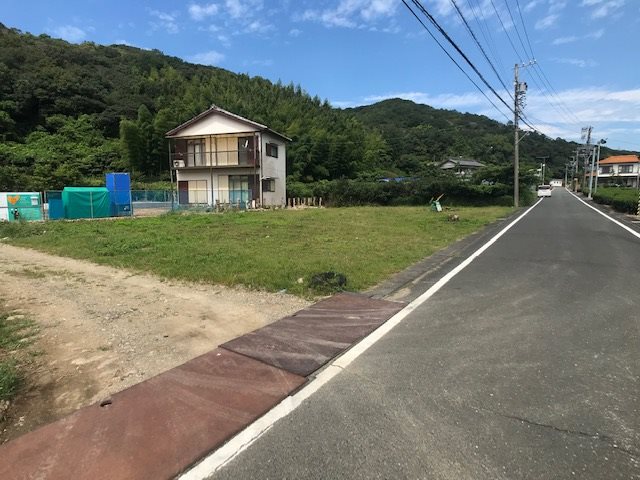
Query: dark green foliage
(622,199)
(418,135)
(69,113)
(130,97)
(418,191)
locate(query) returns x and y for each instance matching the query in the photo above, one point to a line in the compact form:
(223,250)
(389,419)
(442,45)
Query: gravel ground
(103,329)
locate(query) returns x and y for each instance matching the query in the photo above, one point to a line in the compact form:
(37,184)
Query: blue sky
(356,52)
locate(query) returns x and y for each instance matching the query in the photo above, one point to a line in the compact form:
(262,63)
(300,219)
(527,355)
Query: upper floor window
(272,150)
(625,168)
(606,169)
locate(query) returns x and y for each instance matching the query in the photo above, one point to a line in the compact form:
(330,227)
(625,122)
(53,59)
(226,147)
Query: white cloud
(556,5)
(547,21)
(243,8)
(531,5)
(166,21)
(200,12)
(294,32)
(563,40)
(258,26)
(207,58)
(603,8)
(445,100)
(577,62)
(70,33)
(597,34)
(352,13)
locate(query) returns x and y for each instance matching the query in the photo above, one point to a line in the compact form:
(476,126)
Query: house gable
(213,124)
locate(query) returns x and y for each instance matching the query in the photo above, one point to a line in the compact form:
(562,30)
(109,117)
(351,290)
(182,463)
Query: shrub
(623,200)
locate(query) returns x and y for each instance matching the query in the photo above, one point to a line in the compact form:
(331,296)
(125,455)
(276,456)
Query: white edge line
(251,433)
(628,229)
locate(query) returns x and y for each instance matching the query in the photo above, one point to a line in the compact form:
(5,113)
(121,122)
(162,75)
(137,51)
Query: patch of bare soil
(103,329)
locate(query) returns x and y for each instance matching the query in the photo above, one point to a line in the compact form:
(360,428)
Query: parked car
(544,190)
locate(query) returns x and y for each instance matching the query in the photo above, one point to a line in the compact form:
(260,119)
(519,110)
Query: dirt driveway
(104,329)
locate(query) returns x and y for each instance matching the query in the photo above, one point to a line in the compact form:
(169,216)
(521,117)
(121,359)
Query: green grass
(15,335)
(269,250)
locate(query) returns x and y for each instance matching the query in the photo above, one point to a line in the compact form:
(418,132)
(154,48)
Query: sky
(358,52)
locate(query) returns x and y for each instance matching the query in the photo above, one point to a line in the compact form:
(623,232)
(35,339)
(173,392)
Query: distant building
(222,158)
(463,167)
(619,170)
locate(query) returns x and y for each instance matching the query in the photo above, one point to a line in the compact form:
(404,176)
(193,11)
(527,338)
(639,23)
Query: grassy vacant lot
(270,250)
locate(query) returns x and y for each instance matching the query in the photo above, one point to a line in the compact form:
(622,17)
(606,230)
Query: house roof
(463,162)
(620,159)
(214,109)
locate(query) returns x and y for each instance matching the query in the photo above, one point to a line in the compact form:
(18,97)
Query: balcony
(215,159)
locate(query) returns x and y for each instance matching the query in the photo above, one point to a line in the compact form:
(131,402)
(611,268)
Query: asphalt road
(524,365)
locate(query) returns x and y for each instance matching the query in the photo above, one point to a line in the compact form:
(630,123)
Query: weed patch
(269,250)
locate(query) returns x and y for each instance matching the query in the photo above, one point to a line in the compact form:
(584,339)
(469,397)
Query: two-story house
(620,170)
(219,157)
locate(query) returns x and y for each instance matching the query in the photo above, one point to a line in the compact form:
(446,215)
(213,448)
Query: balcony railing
(227,158)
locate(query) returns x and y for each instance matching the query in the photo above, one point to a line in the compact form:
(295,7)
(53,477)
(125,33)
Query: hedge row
(340,193)
(622,199)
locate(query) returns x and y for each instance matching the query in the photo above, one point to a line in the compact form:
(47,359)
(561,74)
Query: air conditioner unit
(178,163)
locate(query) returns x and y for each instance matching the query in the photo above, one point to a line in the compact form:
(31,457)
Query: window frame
(269,185)
(272,148)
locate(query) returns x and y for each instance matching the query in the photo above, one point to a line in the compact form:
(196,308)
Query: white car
(544,191)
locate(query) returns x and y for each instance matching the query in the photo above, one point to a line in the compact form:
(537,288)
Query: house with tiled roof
(462,167)
(218,157)
(619,170)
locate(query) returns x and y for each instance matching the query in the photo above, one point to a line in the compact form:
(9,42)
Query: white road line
(628,229)
(246,437)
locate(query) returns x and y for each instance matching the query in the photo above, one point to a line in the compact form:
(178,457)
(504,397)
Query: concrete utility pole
(518,103)
(586,135)
(543,165)
(600,143)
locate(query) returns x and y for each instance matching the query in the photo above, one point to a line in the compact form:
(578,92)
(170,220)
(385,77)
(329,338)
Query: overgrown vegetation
(272,250)
(622,199)
(16,333)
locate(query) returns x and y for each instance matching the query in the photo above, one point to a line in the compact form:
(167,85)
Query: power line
(515,27)
(475,39)
(526,34)
(453,60)
(460,52)
(495,9)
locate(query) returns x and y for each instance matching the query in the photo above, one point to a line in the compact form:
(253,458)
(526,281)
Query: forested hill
(418,133)
(64,108)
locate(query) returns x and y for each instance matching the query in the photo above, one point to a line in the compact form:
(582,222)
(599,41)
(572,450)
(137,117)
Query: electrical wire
(454,61)
(477,42)
(460,52)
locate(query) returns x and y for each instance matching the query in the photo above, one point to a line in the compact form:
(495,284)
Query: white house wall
(274,168)
(216,125)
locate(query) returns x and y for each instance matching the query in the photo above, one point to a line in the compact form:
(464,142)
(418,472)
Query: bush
(623,200)
(419,191)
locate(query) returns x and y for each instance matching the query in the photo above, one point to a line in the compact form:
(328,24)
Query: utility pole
(586,135)
(600,143)
(518,103)
(543,165)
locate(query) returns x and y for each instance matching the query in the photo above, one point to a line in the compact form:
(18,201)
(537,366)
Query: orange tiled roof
(620,159)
